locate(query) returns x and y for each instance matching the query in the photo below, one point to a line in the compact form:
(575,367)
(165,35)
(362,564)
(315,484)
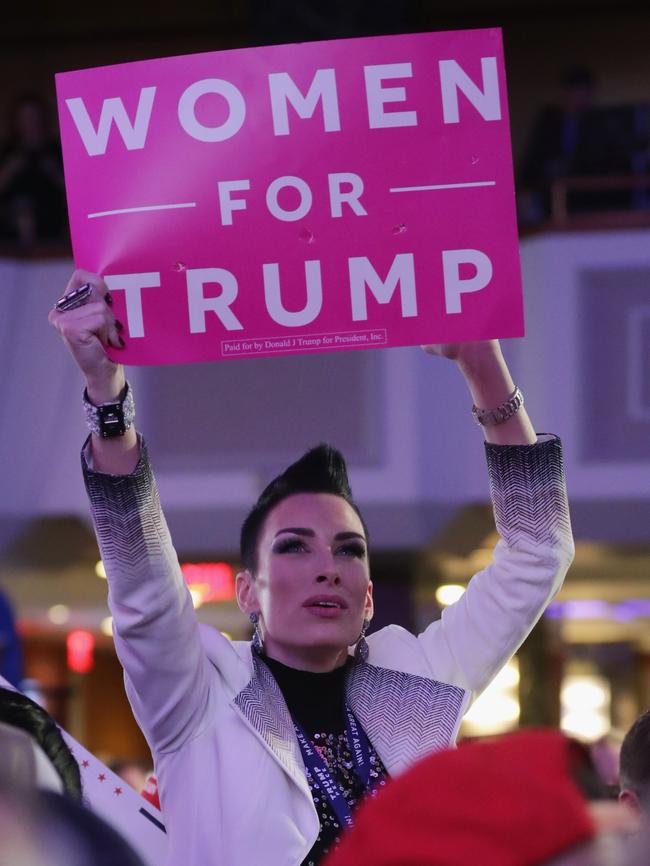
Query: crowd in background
(576,138)
(32,190)
(579,138)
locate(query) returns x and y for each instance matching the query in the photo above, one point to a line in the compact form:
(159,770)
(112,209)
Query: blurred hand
(463,351)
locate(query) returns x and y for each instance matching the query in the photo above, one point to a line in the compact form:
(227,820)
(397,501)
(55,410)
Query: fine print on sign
(298,198)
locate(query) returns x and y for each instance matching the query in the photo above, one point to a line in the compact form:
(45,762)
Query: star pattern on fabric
(101,777)
(117,792)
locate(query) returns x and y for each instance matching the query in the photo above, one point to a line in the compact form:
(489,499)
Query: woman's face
(312,588)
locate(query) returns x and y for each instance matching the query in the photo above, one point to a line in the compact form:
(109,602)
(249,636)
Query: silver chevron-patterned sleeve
(154,627)
(529,492)
(477,635)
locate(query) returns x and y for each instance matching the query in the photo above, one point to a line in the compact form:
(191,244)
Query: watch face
(111,420)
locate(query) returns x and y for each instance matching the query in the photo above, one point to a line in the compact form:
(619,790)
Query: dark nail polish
(119,325)
(122,343)
(108,298)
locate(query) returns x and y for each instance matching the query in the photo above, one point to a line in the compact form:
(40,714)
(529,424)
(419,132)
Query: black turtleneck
(316,701)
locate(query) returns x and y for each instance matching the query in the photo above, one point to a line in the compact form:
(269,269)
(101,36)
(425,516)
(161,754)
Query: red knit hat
(504,802)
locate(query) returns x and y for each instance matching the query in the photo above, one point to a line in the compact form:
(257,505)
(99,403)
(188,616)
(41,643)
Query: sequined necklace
(360,749)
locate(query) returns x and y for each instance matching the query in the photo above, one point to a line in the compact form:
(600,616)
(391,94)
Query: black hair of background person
(634,759)
(20,711)
(279,21)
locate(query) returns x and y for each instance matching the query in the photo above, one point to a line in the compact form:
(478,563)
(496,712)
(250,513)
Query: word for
(344,188)
(362,278)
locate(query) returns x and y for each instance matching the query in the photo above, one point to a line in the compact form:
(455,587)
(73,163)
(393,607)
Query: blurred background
(578,75)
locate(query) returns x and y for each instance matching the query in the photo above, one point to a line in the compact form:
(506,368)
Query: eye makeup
(354,548)
(289,545)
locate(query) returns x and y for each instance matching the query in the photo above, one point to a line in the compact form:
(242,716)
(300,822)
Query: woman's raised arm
(167,674)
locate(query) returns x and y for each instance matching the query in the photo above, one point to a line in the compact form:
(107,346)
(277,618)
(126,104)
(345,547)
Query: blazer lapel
(405,716)
(262,705)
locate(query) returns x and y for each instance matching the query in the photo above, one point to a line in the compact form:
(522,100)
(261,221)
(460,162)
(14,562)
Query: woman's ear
(246,594)
(369,607)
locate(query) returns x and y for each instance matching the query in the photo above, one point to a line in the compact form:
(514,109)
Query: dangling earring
(361,652)
(258,643)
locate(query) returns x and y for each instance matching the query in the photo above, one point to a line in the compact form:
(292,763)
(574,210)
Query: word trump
(380,101)
(363,279)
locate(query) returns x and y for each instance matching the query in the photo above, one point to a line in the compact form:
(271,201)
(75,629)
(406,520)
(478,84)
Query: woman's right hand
(87,331)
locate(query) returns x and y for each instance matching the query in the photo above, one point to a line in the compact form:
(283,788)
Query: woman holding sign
(264,749)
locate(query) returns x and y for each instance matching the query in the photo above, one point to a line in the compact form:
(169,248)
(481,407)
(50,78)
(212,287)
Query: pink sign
(298,198)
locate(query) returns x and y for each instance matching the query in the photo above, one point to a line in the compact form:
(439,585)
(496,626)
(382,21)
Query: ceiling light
(448,593)
(59,614)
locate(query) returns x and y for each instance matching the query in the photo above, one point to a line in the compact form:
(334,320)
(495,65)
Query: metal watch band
(110,419)
(492,417)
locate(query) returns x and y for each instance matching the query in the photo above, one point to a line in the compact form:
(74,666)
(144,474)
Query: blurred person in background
(43,821)
(605,754)
(634,769)
(264,749)
(135,773)
(572,139)
(11,656)
(32,189)
(517,800)
(53,762)
(43,828)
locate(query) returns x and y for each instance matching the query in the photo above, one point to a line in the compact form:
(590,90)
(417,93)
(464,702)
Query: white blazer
(231,777)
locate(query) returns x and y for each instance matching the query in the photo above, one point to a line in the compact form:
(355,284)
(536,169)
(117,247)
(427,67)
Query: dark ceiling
(254,21)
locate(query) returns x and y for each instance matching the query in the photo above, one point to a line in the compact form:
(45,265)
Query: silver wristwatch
(492,417)
(110,419)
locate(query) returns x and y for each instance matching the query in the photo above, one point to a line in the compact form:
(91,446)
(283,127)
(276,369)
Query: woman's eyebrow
(301,530)
(297,530)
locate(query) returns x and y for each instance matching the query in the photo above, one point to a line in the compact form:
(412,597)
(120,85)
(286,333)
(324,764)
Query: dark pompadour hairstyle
(634,766)
(320,470)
